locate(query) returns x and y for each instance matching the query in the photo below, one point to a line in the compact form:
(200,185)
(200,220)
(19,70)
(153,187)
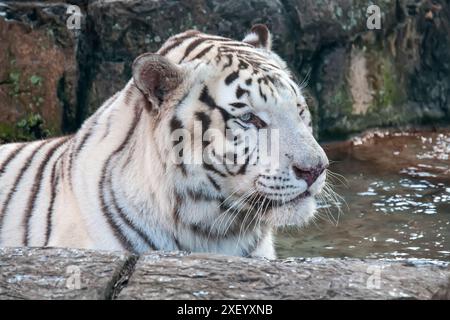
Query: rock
(197,276)
(358,78)
(84,274)
(443,293)
(38,70)
(373,78)
(108,78)
(59,273)
(122,30)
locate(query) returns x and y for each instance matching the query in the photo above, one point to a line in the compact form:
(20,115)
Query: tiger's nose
(310,175)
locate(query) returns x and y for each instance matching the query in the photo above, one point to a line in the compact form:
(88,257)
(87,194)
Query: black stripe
(229,63)
(231,77)
(194,44)
(114,226)
(230,157)
(203,52)
(238,105)
(54,182)
(37,184)
(213,182)
(243,169)
(75,152)
(242,65)
(240,92)
(262,94)
(100,112)
(128,222)
(175,124)
(19,177)
(183,169)
(199,230)
(210,167)
(206,232)
(206,122)
(220,39)
(119,235)
(200,196)
(206,98)
(252,54)
(271,79)
(177,244)
(293,89)
(176,209)
(130,93)
(235,44)
(177,42)
(11,158)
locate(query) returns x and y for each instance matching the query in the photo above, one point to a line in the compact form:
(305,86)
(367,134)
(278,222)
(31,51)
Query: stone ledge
(84,274)
(53,273)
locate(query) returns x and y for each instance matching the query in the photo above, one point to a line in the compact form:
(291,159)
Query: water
(398,201)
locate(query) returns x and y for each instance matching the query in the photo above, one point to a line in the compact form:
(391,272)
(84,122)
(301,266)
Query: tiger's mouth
(260,199)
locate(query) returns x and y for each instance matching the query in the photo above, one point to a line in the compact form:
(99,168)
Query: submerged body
(113,185)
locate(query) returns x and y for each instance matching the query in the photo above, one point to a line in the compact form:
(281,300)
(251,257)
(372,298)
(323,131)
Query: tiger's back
(29,181)
(58,192)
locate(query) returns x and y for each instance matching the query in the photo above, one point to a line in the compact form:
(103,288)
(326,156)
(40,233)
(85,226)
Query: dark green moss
(36,80)
(29,128)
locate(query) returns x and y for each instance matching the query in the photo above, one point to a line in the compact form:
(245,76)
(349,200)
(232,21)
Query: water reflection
(398,199)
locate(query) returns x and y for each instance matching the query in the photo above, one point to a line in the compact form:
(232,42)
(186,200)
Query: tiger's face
(274,163)
(238,126)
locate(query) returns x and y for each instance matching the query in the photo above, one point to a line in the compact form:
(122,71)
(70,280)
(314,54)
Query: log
(59,273)
(34,273)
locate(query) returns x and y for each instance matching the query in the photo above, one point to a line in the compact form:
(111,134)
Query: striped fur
(113,185)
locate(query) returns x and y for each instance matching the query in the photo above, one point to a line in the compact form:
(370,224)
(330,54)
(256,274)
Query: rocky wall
(52,78)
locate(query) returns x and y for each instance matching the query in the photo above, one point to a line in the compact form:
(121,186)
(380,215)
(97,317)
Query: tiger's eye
(246,117)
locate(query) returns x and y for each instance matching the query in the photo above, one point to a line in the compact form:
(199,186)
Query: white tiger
(113,185)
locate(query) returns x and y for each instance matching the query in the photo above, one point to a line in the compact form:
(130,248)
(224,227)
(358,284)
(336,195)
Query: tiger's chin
(297,212)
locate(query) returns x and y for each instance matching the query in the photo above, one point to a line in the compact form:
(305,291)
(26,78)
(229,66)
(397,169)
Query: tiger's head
(211,98)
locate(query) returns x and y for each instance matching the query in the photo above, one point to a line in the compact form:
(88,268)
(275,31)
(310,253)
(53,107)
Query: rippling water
(397,194)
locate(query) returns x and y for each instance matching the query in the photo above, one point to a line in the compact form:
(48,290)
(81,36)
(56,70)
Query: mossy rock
(30,128)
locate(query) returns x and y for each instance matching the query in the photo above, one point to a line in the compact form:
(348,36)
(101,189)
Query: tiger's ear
(156,76)
(259,37)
